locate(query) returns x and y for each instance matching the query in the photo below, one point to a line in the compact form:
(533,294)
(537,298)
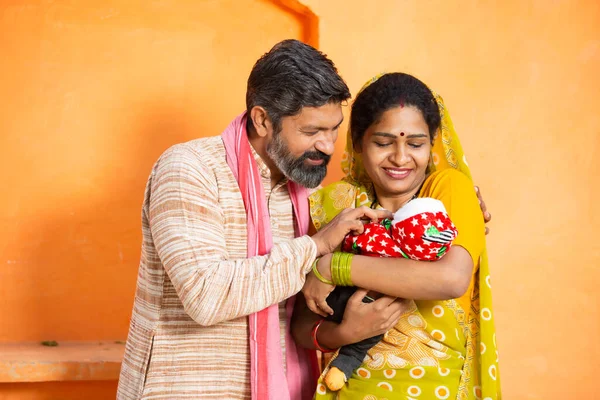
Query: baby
(421,230)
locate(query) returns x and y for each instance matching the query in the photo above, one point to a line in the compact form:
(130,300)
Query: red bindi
(401,133)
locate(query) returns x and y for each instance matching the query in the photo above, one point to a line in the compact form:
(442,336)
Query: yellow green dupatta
(417,359)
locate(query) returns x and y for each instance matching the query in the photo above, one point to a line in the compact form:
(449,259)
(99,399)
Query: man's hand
(487,217)
(316,292)
(348,220)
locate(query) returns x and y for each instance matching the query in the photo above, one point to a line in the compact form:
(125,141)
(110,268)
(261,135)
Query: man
(207,266)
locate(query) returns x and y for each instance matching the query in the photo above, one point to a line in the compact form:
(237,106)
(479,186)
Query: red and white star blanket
(421,230)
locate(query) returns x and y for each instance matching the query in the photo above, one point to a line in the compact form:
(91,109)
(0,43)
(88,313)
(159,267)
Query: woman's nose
(399,156)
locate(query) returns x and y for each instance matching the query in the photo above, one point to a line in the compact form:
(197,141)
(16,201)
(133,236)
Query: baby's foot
(335,379)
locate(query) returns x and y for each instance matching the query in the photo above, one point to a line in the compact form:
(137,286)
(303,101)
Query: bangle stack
(341,264)
(314,338)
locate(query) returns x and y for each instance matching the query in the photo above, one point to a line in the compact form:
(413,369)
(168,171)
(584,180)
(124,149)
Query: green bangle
(318,274)
(335,268)
(347,266)
(341,264)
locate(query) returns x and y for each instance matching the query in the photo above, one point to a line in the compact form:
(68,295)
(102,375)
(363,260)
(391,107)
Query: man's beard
(295,169)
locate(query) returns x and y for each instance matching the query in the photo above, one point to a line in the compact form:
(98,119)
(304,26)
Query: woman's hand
(487,217)
(348,220)
(365,320)
(316,292)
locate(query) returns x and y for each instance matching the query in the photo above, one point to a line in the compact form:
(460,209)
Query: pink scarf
(266,364)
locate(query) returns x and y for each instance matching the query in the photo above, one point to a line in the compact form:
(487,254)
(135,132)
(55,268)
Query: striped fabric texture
(188,335)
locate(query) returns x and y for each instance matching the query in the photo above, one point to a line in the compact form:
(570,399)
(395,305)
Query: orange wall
(93,93)
(521,80)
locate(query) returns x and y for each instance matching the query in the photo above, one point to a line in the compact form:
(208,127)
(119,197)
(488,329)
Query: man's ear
(260,121)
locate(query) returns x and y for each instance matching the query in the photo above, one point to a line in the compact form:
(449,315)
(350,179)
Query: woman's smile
(397,173)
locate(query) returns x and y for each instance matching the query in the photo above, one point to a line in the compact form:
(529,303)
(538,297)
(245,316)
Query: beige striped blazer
(188,336)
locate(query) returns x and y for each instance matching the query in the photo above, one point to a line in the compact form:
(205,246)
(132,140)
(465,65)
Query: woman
(444,344)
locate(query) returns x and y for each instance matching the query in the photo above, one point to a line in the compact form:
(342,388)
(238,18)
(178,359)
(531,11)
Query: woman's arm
(447,278)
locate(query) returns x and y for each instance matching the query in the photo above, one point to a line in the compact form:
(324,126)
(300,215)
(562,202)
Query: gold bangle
(318,274)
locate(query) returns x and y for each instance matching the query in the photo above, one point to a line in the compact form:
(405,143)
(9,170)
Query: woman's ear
(357,147)
(434,135)
(260,121)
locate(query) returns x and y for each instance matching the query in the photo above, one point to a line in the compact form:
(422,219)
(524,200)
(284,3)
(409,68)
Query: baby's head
(423,229)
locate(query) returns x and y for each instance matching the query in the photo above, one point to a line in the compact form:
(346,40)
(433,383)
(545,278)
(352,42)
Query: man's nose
(326,143)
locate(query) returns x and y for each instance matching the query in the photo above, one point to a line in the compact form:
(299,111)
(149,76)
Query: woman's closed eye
(382,144)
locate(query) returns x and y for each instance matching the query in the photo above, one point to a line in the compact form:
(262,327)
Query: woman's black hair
(389,91)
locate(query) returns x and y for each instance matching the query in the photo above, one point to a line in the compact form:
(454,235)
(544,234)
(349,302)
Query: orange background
(93,92)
